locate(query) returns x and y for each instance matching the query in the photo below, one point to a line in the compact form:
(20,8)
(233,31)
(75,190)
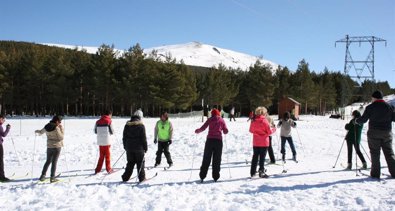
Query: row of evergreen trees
(38,80)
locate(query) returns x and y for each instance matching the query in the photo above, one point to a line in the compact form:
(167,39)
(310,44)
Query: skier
(285,133)
(260,129)
(353,137)
(55,134)
(3,134)
(135,145)
(213,147)
(380,115)
(163,137)
(250,116)
(104,130)
(232,114)
(270,148)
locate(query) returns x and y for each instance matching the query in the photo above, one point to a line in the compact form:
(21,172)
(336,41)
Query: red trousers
(104,153)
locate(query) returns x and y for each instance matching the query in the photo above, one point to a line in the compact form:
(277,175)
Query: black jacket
(134,138)
(380,115)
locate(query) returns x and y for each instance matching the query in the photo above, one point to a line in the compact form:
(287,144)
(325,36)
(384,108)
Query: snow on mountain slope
(198,54)
(195,54)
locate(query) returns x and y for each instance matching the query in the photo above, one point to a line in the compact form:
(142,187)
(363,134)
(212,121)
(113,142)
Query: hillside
(194,54)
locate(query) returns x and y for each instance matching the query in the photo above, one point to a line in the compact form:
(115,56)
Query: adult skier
(3,133)
(380,115)
(135,144)
(213,147)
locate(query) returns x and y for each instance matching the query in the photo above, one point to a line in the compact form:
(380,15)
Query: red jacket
(215,126)
(261,130)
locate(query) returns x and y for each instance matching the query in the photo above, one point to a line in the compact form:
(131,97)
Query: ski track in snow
(311,184)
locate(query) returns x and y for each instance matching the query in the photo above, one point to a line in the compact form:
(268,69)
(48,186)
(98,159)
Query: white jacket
(104,134)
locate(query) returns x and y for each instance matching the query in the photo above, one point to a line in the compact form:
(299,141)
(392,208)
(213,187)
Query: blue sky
(283,31)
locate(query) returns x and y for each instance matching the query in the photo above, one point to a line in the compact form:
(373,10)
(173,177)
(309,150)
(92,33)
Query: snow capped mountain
(195,54)
(198,54)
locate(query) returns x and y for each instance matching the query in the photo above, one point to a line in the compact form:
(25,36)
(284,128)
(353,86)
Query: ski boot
(42,178)
(349,165)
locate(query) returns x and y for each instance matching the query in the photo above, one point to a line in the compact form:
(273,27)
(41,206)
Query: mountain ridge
(194,54)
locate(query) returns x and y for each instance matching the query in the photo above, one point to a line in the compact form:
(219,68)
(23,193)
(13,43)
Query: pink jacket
(261,131)
(215,126)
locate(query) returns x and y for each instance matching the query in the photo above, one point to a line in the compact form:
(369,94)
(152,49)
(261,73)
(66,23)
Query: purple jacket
(215,126)
(3,133)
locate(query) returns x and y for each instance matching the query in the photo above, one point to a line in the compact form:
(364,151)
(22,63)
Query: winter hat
(56,118)
(356,114)
(215,112)
(135,118)
(377,94)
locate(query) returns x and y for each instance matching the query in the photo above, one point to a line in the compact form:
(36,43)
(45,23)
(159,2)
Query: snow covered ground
(311,184)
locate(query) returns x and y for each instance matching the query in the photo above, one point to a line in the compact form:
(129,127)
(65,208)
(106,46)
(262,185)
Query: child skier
(260,129)
(285,133)
(353,137)
(213,147)
(55,134)
(164,133)
(104,130)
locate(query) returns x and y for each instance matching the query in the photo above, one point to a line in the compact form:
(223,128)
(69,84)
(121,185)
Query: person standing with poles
(232,114)
(3,133)
(270,148)
(163,137)
(260,129)
(104,130)
(55,135)
(286,123)
(135,144)
(380,115)
(213,147)
(353,137)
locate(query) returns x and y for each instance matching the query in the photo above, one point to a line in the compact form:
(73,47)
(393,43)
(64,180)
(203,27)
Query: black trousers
(163,147)
(52,158)
(259,152)
(357,150)
(134,158)
(212,149)
(1,162)
(270,151)
(381,140)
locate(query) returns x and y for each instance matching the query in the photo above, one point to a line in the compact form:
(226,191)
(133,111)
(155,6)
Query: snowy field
(311,184)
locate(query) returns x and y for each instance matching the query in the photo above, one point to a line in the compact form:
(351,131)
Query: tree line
(39,80)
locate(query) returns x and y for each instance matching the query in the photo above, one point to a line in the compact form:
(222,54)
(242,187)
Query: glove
(197,131)
(155,141)
(8,126)
(169,142)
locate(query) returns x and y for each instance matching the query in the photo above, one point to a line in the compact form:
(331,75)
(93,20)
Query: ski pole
(113,166)
(339,153)
(365,152)
(355,142)
(227,157)
(17,156)
(300,141)
(193,159)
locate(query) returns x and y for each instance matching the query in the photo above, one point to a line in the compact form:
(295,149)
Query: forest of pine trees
(40,80)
